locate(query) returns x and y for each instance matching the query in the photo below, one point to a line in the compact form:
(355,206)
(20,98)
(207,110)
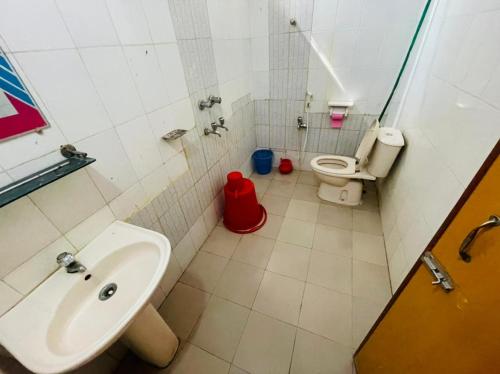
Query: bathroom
(120,121)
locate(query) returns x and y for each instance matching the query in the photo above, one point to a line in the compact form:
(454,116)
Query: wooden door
(427,330)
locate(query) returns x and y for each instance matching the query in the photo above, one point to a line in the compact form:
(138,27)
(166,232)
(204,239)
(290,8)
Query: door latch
(442,278)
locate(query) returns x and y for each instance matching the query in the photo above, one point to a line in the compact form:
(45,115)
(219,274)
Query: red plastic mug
(286,166)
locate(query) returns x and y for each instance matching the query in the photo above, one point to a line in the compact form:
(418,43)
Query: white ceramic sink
(63,324)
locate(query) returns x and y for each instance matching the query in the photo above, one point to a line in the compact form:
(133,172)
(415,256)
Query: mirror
(19,113)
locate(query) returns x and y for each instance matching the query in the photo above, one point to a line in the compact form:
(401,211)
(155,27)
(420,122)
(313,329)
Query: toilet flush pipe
(402,102)
(407,57)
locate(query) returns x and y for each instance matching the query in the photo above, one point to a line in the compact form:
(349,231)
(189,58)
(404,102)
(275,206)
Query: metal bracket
(437,270)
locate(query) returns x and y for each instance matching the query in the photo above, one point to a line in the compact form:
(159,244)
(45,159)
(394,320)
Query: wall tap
(214,126)
(215,99)
(300,123)
(202,104)
(221,124)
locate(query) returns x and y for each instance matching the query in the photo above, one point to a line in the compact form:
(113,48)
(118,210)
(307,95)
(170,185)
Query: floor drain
(107,291)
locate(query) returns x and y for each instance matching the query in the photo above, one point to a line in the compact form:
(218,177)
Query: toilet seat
(339,166)
(334,165)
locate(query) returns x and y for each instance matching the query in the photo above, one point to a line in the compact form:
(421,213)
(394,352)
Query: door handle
(437,270)
(493,221)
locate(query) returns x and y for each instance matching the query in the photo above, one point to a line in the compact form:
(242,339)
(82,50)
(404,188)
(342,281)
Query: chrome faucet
(221,124)
(213,131)
(67,260)
(202,104)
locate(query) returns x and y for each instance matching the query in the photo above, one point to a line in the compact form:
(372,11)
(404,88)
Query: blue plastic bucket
(263,161)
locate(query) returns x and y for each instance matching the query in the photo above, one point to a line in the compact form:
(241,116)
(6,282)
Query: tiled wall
(339,50)
(112,77)
(450,120)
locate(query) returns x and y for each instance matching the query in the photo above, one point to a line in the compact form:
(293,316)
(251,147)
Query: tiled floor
(297,296)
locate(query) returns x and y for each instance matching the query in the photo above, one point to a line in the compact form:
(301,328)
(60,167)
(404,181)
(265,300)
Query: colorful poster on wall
(18,111)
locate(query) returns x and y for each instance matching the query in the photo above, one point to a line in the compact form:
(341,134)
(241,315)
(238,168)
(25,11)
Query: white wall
(450,120)
(112,78)
(360,47)
(229,22)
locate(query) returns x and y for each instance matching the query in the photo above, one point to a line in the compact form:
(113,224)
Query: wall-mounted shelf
(74,161)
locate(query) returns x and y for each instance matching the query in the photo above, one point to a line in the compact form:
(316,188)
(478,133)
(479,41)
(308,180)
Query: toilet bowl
(342,177)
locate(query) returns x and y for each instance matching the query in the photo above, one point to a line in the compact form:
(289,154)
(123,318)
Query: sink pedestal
(150,338)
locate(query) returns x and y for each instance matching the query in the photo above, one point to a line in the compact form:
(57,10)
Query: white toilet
(341,177)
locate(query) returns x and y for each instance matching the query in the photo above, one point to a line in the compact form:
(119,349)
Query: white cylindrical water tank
(389,143)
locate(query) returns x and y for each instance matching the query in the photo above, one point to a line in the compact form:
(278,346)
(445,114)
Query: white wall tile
(130,21)
(83,233)
(88,22)
(140,145)
(260,53)
(61,78)
(76,191)
(159,20)
(33,25)
(24,231)
(34,271)
(172,70)
(324,15)
(8,297)
(128,202)
(112,173)
(182,115)
(146,72)
(259,23)
(156,181)
(109,71)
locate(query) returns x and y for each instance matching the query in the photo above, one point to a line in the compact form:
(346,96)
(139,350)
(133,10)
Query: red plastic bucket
(242,213)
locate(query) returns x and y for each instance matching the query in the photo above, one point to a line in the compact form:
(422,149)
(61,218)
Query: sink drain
(107,291)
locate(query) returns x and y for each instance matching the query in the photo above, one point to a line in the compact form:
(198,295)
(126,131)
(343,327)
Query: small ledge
(33,182)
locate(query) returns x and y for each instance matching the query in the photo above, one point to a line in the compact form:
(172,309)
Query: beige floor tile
(290,260)
(261,184)
(297,232)
(193,360)
(221,242)
(292,177)
(183,307)
(254,250)
(303,210)
(315,354)
(204,271)
(271,228)
(239,283)
(333,240)
(265,176)
(279,297)
(369,248)
(371,281)
(367,221)
(330,271)
(281,188)
(306,192)
(327,313)
(220,328)
(275,204)
(365,313)
(237,370)
(369,201)
(308,177)
(337,216)
(266,345)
